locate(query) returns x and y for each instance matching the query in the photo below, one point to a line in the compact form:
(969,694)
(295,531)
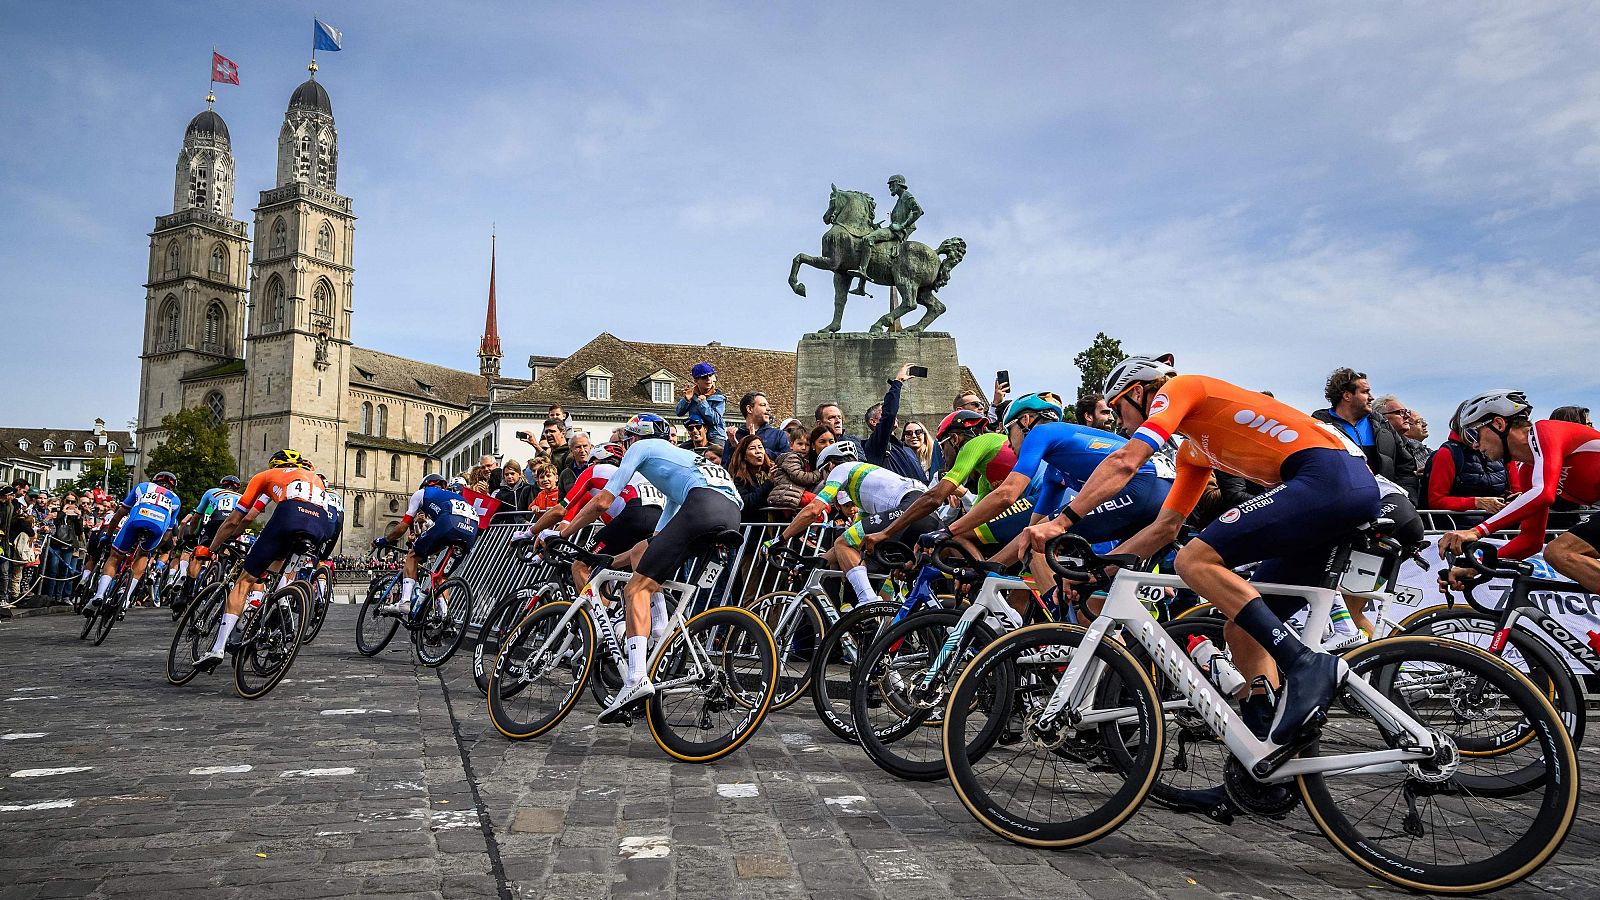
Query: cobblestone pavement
(370,777)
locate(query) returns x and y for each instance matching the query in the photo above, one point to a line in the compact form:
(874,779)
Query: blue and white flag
(327,37)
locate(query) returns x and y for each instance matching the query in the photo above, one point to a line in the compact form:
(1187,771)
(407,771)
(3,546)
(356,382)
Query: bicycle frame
(988,602)
(1072,698)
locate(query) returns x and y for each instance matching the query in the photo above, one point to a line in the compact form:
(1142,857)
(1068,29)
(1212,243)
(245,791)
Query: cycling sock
(1258,621)
(1343,624)
(105,585)
(863,585)
(228,621)
(636,659)
(658,614)
(406,589)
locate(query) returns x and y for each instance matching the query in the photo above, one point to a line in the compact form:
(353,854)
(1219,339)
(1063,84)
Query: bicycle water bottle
(1216,665)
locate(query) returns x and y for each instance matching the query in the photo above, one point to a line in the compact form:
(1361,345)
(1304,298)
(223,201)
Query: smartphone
(524,436)
(1003,376)
(918,371)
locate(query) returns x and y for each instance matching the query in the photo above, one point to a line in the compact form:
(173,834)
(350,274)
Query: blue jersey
(442,507)
(216,503)
(674,471)
(153,505)
(1072,452)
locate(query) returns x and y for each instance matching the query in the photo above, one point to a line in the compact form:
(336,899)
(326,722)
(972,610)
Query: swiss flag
(483,503)
(224,69)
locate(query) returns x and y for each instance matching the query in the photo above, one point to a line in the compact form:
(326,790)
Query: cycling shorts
(1587,529)
(705,511)
(1326,494)
(140,533)
(293,521)
(635,523)
(447,530)
(865,525)
(1408,528)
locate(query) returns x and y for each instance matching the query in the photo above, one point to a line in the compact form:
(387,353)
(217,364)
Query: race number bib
(226,504)
(463,509)
(715,476)
(303,490)
(650,495)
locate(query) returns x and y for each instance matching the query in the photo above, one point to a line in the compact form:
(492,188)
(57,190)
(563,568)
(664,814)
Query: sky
(1267,191)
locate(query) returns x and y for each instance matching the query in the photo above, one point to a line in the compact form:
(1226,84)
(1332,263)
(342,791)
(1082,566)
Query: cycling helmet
(231,482)
(1044,404)
(607,453)
(287,459)
(962,421)
(432,478)
(166,479)
(838,451)
(1136,370)
(647,425)
(457,484)
(1487,405)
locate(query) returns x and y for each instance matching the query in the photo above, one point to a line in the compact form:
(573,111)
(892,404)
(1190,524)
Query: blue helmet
(1045,404)
(431,478)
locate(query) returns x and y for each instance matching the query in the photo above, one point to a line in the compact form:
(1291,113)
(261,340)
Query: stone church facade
(258,331)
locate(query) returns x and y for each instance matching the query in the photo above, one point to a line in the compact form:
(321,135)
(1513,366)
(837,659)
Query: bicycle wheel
(1453,825)
(195,633)
(898,715)
(796,626)
(833,672)
(321,589)
(265,655)
(715,679)
(539,674)
(491,634)
(106,613)
(374,632)
(444,623)
(1056,786)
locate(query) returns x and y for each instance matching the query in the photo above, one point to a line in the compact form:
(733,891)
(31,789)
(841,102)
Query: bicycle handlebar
(564,550)
(1071,557)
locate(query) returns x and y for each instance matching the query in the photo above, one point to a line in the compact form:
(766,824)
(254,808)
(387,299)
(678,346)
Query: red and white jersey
(1566,464)
(593,480)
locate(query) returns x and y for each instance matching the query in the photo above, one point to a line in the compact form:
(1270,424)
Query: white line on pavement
(47,804)
(220,770)
(353,712)
(650,846)
(15,699)
(735,791)
(846,804)
(23,735)
(42,773)
(317,773)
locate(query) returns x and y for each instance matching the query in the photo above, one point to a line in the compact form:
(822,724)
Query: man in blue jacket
(883,445)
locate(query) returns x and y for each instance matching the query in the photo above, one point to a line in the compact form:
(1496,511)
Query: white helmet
(838,451)
(1137,370)
(1485,406)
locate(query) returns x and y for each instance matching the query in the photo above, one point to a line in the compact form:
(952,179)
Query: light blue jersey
(674,471)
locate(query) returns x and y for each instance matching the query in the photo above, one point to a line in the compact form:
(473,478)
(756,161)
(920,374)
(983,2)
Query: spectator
(1579,414)
(491,471)
(703,398)
(1091,411)
(515,493)
(915,437)
(1461,479)
(831,415)
(699,439)
(546,489)
(65,536)
(557,411)
(755,409)
(1412,456)
(793,477)
(555,442)
(1350,410)
(820,439)
(751,469)
(884,446)
(16,526)
(577,461)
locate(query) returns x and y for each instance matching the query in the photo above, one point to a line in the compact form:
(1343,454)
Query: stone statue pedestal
(853,370)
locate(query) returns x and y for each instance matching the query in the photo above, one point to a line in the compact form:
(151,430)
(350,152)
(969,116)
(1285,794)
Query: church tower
(489,347)
(194,316)
(299,333)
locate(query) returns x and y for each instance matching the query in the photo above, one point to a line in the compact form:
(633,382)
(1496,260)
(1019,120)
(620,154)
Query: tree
(195,450)
(1095,363)
(94,475)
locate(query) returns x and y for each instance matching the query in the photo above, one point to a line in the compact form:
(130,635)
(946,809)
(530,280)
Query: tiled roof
(9,450)
(83,440)
(398,375)
(218,370)
(355,439)
(739,369)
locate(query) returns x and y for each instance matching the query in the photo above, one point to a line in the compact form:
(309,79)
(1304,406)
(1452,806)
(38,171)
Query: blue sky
(1267,190)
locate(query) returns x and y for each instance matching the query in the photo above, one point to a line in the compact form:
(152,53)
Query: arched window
(214,403)
(219,260)
(325,240)
(383,420)
(305,157)
(366,418)
(427,428)
(216,320)
(276,301)
(443,429)
(322,298)
(361,463)
(172,257)
(394,467)
(280,237)
(49,446)
(167,336)
(360,508)
(394,506)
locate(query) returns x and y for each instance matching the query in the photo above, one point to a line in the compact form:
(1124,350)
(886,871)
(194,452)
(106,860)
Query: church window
(442,427)
(394,467)
(598,387)
(304,158)
(325,241)
(360,507)
(172,257)
(394,507)
(383,420)
(214,403)
(219,260)
(361,463)
(280,237)
(366,418)
(167,338)
(200,188)
(324,164)
(322,298)
(427,428)
(275,300)
(215,318)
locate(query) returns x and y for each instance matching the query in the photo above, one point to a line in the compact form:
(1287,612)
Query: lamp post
(105,460)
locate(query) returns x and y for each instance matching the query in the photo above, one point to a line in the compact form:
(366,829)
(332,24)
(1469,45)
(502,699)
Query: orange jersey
(1228,428)
(278,485)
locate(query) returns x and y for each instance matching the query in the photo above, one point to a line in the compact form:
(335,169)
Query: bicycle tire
(436,638)
(506,613)
(320,586)
(1549,812)
(270,649)
(1038,655)
(574,644)
(106,618)
(740,681)
(88,624)
(847,641)
(797,644)
(383,628)
(191,632)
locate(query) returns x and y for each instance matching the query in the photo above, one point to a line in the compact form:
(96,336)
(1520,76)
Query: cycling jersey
(333,502)
(452,520)
(595,478)
(674,471)
(1230,429)
(1566,464)
(301,514)
(280,486)
(1072,453)
(215,504)
(988,456)
(873,488)
(152,510)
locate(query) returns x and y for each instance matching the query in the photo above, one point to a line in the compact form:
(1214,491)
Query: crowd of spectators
(48,534)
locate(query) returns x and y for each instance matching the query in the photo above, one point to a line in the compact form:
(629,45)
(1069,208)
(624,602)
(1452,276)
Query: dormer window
(111,447)
(69,446)
(426,387)
(364,373)
(23,444)
(49,446)
(597,384)
(660,386)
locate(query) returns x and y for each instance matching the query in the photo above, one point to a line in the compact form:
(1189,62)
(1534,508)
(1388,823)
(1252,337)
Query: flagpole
(313,66)
(211,90)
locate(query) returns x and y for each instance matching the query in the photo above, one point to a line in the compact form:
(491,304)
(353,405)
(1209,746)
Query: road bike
(440,609)
(114,605)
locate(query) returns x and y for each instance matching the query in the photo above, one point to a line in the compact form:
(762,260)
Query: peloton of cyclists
(208,516)
(452,521)
(141,521)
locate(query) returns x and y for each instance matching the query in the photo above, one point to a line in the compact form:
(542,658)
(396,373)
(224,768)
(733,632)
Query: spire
(489,348)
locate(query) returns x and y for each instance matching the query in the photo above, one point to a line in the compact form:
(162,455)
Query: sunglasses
(914,431)
(695,426)
(1400,412)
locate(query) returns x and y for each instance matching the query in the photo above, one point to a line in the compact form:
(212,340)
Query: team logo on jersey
(1249,418)
(1158,404)
(1229,517)
(1098,444)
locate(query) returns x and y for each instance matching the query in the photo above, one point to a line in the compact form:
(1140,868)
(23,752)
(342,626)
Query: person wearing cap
(703,399)
(698,439)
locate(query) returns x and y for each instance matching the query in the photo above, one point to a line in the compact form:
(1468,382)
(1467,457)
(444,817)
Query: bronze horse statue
(913,269)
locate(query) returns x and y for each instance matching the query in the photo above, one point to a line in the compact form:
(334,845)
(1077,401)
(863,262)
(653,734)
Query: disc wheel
(265,655)
(715,679)
(373,631)
(539,674)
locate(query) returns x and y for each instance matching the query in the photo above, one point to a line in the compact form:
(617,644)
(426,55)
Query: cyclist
(701,501)
(627,522)
(1561,461)
(335,505)
(208,516)
(1318,492)
(452,520)
(292,485)
(881,498)
(142,519)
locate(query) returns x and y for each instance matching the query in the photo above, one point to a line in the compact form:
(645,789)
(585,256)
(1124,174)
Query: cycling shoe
(1308,688)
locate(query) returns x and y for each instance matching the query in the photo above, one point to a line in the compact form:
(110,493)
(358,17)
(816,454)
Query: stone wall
(853,370)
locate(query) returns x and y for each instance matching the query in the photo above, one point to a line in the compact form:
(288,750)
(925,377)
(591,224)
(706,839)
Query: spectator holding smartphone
(702,398)
(884,446)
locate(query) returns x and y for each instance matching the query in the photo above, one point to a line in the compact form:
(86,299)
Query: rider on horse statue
(902,221)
